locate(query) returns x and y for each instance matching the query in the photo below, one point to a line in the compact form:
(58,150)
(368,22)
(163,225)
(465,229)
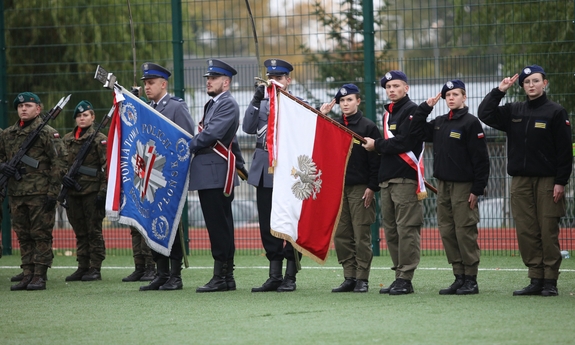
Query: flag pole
(334,122)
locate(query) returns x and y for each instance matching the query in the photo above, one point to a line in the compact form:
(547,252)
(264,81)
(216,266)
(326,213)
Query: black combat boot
(385,290)
(161,277)
(149,273)
(347,286)
(402,287)
(37,283)
(275,278)
(361,286)
(288,283)
(230,280)
(549,288)
(175,281)
(452,289)
(23,284)
(17,277)
(136,275)
(77,275)
(470,286)
(92,274)
(218,281)
(534,288)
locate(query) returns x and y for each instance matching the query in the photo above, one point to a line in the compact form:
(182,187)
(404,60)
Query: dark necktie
(154,105)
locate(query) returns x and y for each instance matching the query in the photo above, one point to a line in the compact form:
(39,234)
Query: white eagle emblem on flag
(309,183)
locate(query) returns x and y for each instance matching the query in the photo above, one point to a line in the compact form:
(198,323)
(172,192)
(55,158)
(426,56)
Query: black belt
(261,146)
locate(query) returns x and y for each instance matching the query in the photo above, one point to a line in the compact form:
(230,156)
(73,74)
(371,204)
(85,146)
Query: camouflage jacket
(48,150)
(96,159)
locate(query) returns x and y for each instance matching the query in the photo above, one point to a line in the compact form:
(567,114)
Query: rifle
(21,156)
(77,165)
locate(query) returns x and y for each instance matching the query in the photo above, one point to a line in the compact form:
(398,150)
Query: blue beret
(82,107)
(393,75)
(218,67)
(450,85)
(152,70)
(346,89)
(278,67)
(26,97)
(528,70)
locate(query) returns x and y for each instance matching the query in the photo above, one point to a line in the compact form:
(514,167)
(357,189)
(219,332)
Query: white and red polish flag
(310,154)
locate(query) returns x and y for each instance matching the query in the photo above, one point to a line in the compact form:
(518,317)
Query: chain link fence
(53,47)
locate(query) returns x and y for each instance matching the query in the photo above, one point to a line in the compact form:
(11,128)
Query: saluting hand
(433,100)
(326,107)
(507,82)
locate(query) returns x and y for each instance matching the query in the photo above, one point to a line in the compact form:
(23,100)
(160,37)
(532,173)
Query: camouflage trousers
(86,220)
(142,252)
(33,226)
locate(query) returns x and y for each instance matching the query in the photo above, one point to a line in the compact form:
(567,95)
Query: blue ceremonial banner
(148,171)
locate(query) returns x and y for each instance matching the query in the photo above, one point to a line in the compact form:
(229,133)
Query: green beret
(25,97)
(82,107)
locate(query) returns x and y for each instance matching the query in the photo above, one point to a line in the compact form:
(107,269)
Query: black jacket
(406,138)
(538,135)
(362,166)
(459,147)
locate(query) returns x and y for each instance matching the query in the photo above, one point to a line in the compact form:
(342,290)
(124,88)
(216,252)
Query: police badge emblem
(388,76)
(449,85)
(343,91)
(527,71)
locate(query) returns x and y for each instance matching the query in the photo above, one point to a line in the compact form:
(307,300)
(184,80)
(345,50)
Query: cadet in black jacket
(401,182)
(352,237)
(539,151)
(461,166)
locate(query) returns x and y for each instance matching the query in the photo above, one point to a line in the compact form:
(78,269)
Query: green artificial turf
(113,312)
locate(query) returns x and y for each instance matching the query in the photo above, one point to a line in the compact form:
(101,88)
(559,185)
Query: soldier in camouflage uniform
(32,199)
(86,208)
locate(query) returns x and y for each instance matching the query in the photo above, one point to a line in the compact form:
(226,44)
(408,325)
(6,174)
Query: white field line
(303,268)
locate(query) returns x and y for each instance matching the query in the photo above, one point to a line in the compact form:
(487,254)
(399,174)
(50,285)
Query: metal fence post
(6,224)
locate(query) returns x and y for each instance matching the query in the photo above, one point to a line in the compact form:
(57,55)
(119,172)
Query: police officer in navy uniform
(175,109)
(256,122)
(209,170)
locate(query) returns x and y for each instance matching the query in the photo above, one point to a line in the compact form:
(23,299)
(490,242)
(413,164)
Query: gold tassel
(421,195)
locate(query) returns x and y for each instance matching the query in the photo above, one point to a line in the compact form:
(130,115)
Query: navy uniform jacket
(538,135)
(175,109)
(221,121)
(363,165)
(459,147)
(405,139)
(256,122)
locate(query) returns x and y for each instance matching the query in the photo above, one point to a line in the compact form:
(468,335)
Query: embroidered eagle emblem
(308,176)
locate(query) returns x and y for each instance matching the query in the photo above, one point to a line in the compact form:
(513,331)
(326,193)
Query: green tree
(342,59)
(525,33)
(54,47)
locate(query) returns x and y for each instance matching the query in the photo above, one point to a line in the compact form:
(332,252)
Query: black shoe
(550,288)
(23,284)
(403,287)
(217,283)
(155,284)
(37,283)
(77,275)
(92,274)
(149,273)
(452,289)
(387,289)
(288,285)
(272,284)
(231,282)
(470,286)
(533,289)
(136,275)
(347,286)
(361,286)
(18,277)
(174,283)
